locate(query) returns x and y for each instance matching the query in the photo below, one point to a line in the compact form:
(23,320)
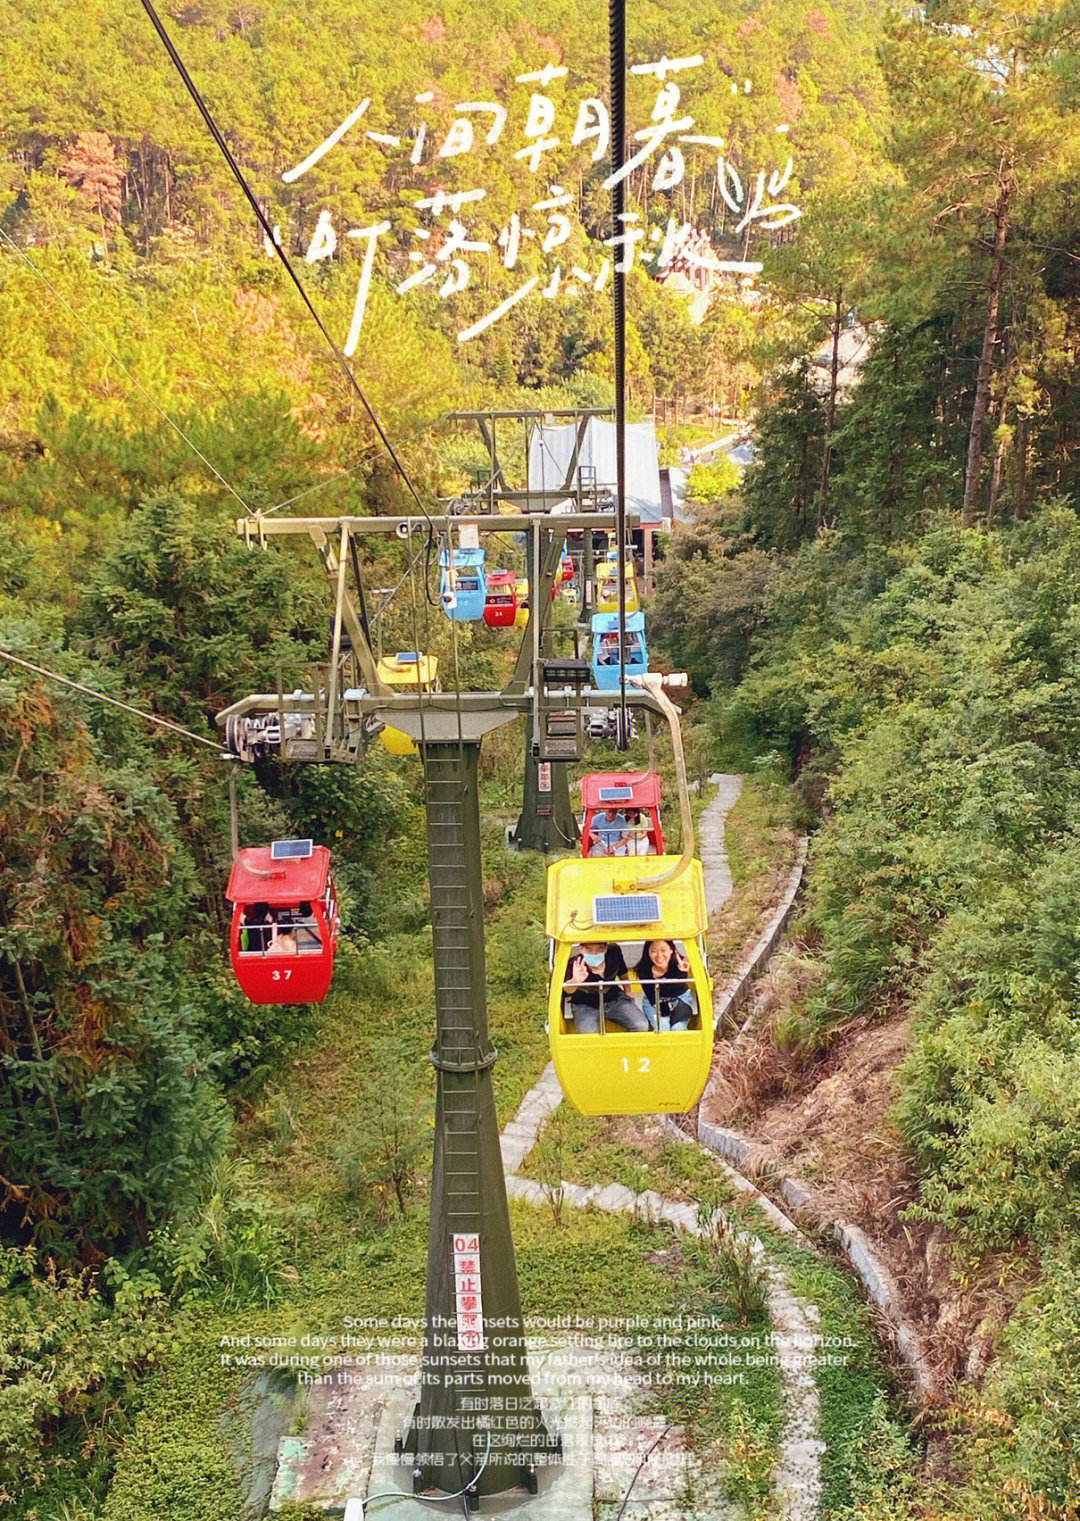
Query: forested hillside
(888,610)
(882,617)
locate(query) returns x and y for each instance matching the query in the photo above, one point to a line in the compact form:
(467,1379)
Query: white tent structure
(649,503)
(551,452)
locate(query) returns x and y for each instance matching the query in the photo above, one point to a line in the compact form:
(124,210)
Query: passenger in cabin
(282,938)
(608,832)
(307,931)
(663,972)
(598,979)
(609,649)
(255,927)
(636,840)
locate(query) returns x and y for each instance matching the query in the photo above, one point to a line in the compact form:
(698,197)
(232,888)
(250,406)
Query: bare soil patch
(825,1122)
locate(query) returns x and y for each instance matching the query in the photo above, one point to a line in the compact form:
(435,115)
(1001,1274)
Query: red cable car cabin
(284,930)
(621,793)
(501,606)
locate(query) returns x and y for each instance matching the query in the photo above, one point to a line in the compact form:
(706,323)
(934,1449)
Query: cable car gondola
(614,795)
(463,585)
(605,653)
(521,591)
(500,609)
(285,923)
(607,587)
(614,1058)
(411,670)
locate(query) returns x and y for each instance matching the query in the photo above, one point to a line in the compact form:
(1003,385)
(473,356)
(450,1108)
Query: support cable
(396,1494)
(648,1454)
(652,682)
(175,426)
(238,175)
(150,718)
(421,652)
(318,486)
(457,690)
(617,46)
(453,583)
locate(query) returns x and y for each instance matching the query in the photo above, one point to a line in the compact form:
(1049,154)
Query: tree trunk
(1021,467)
(986,360)
(998,470)
(801,500)
(830,416)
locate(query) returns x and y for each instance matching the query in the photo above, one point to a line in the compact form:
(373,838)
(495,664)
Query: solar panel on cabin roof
(630,908)
(290,850)
(616,794)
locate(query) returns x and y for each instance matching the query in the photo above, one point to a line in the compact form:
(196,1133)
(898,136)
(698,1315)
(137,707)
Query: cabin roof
(286,882)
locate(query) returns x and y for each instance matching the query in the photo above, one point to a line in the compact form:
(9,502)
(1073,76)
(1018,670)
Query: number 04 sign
(465,1249)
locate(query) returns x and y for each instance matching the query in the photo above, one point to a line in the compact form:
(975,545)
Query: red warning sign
(465,1251)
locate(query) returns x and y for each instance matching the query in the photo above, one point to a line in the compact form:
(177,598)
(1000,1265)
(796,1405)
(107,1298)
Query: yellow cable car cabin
(406,670)
(521,591)
(607,588)
(630,1013)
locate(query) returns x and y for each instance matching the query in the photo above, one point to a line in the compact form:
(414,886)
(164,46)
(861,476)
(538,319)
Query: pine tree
(984,129)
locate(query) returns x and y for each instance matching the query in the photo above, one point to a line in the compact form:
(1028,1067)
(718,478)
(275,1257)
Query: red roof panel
(285,882)
(645,786)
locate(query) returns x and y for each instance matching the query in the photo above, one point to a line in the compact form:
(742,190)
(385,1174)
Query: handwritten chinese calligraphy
(546,245)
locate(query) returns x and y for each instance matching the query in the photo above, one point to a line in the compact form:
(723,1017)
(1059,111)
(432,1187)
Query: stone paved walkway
(710,839)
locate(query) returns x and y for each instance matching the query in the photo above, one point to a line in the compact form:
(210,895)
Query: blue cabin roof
(608,623)
(463,558)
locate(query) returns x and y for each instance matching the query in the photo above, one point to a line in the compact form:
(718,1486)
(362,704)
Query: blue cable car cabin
(463,587)
(605,652)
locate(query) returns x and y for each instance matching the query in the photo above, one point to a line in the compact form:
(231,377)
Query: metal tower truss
(335,721)
(579,481)
(473,1367)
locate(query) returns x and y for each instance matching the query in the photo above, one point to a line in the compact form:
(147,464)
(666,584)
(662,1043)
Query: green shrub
(1038,1385)
(709,482)
(229,1241)
(941,679)
(71,1346)
(733,1268)
(387,1134)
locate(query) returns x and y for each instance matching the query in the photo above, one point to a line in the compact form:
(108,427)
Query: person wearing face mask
(595,965)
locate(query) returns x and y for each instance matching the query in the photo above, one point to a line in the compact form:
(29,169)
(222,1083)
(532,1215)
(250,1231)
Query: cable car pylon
(547,821)
(472,1276)
(474,1351)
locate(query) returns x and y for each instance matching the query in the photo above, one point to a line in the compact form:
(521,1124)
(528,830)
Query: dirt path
(822,1132)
